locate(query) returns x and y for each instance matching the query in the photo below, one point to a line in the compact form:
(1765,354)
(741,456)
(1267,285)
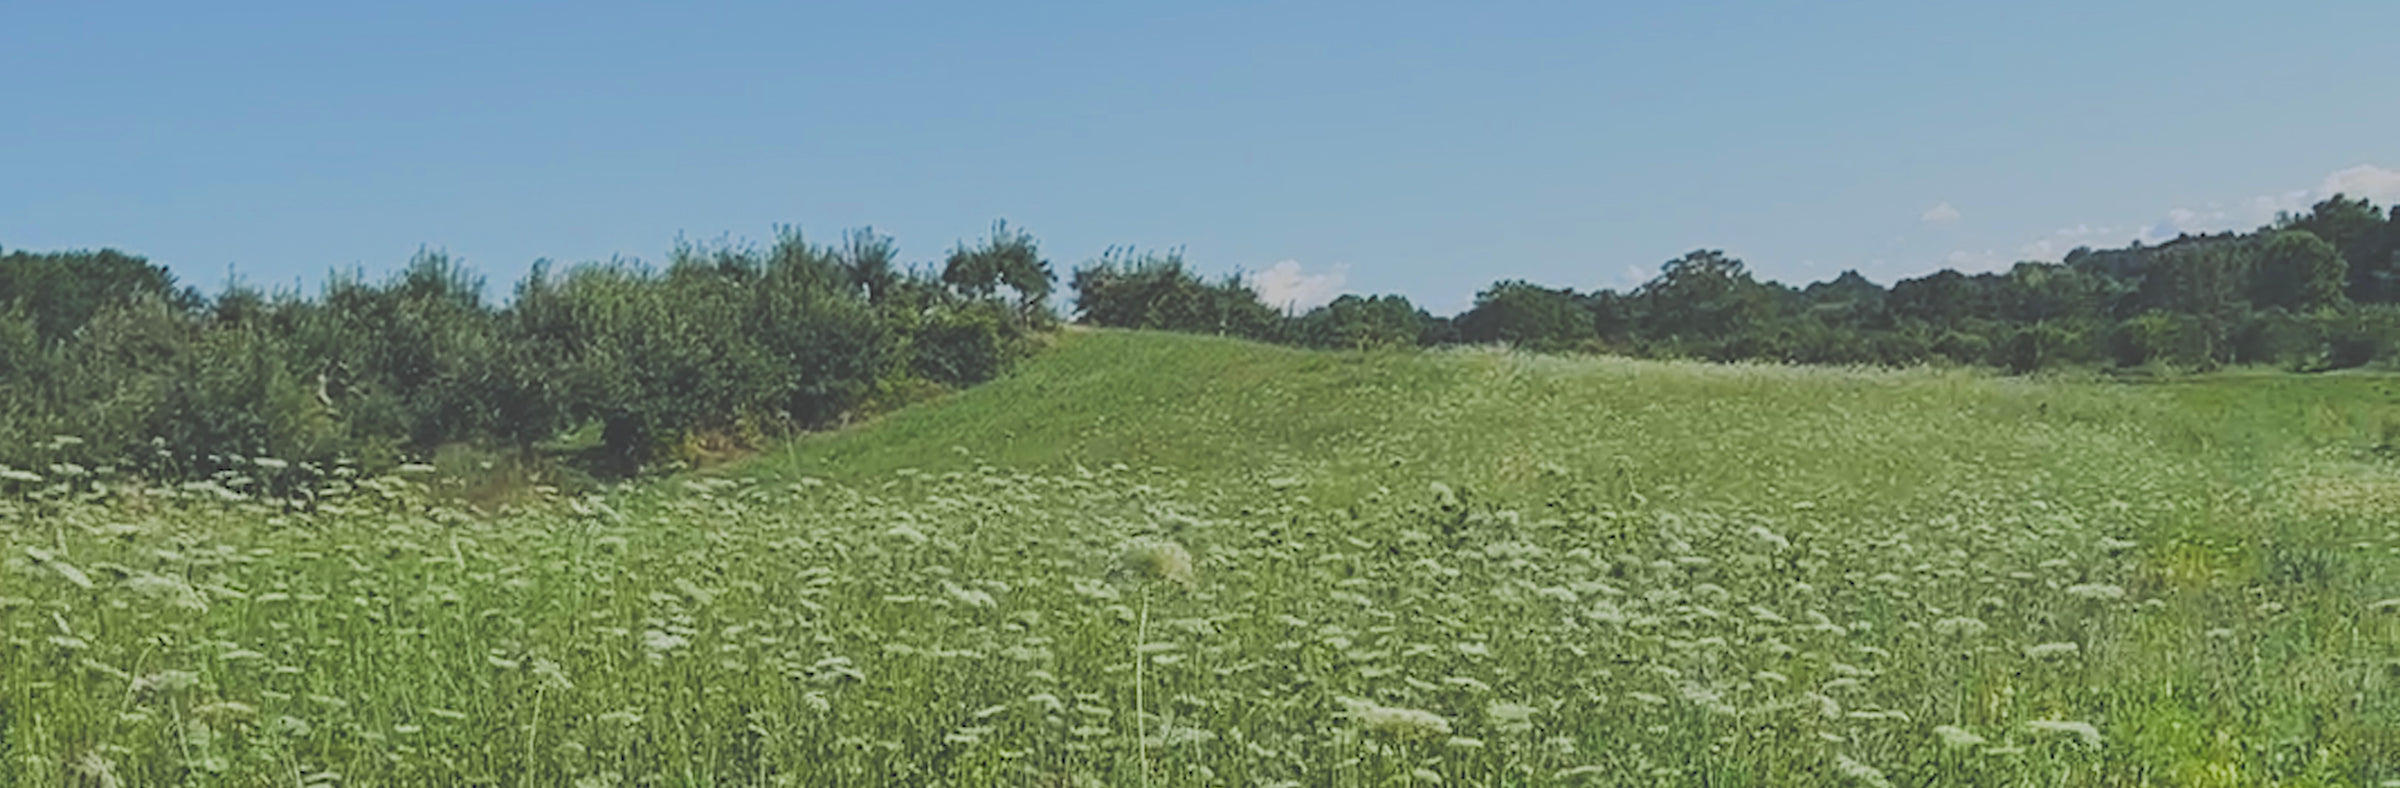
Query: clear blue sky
(1397,147)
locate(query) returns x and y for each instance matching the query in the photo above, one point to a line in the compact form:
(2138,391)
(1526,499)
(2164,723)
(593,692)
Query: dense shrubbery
(725,344)
(2313,291)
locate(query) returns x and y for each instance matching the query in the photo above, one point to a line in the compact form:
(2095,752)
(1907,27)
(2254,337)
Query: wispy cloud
(1940,214)
(1286,285)
(2365,180)
(1972,261)
(2382,185)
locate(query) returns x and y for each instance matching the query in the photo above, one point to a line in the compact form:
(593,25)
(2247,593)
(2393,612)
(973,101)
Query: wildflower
(1769,538)
(551,675)
(971,597)
(1514,718)
(1860,772)
(1960,627)
(1956,737)
(2096,592)
(2053,650)
(1467,682)
(64,569)
(93,769)
(1396,722)
(661,642)
(2080,730)
(1159,559)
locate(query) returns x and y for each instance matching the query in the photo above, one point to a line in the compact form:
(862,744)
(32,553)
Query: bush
(2280,338)
(2362,336)
(958,347)
(1124,289)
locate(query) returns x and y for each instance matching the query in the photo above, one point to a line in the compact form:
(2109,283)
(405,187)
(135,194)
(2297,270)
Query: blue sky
(1425,149)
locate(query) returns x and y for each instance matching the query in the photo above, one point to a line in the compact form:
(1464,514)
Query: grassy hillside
(1459,567)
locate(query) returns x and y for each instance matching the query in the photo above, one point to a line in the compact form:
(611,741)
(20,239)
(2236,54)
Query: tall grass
(1464,567)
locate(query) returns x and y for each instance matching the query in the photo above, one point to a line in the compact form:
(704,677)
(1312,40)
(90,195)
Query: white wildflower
(1159,559)
(2080,730)
(2098,592)
(2053,650)
(1512,718)
(1861,773)
(1960,627)
(1957,738)
(1396,722)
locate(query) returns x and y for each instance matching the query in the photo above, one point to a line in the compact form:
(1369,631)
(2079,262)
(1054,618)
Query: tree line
(2311,291)
(108,365)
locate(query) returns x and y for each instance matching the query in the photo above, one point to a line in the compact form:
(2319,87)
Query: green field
(1457,567)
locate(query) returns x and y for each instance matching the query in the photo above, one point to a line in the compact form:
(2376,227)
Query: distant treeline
(108,369)
(106,361)
(2309,292)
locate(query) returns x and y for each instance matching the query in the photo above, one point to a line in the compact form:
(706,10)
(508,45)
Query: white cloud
(1633,276)
(2375,183)
(2365,180)
(1966,261)
(1286,285)
(1940,214)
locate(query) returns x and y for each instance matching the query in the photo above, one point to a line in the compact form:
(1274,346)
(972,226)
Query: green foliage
(727,344)
(61,291)
(1704,295)
(2283,339)
(958,347)
(1358,322)
(1008,258)
(1125,288)
(2046,345)
(1527,315)
(2300,272)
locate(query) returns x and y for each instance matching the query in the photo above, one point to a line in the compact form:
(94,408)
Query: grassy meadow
(1151,559)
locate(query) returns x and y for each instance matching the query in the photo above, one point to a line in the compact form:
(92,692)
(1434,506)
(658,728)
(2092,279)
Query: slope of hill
(1186,561)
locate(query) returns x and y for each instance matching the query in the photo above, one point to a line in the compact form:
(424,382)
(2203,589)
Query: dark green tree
(2300,272)
(1527,315)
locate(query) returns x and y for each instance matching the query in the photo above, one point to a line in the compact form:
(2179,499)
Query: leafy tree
(1527,315)
(1129,289)
(2300,272)
(1365,322)
(61,291)
(1008,257)
(2363,238)
(1705,295)
(869,260)
(1944,299)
